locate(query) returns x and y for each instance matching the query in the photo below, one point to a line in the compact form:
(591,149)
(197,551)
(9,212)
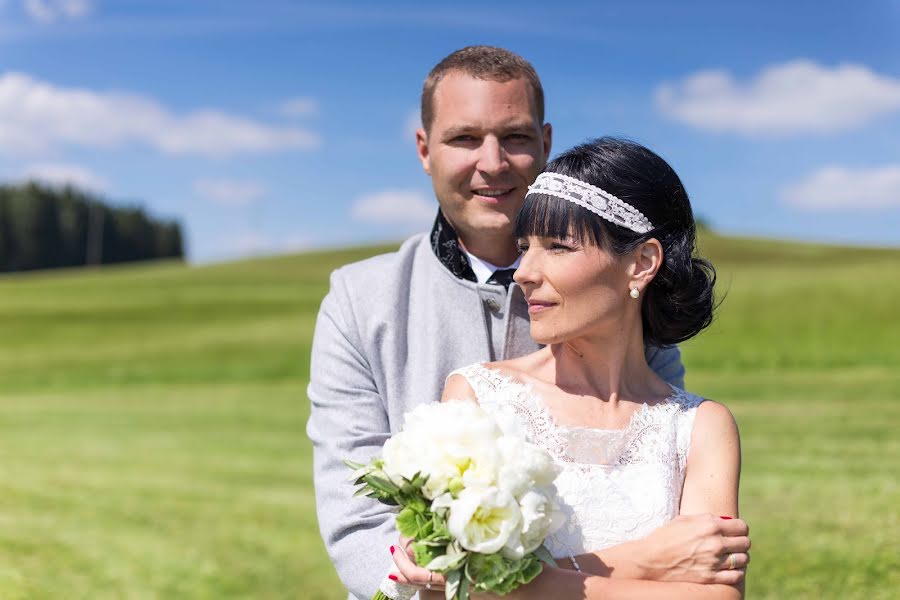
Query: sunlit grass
(152,418)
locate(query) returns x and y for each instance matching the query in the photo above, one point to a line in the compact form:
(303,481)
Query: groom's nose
(492,156)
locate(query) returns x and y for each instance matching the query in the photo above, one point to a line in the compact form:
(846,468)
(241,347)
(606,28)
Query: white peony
(484,519)
(454,443)
(524,466)
(540,517)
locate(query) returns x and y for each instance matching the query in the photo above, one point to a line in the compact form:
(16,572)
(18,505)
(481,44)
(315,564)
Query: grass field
(152,421)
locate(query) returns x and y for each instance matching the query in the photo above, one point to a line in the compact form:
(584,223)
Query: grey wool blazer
(388,333)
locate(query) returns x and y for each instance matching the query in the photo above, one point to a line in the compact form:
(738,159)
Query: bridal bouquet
(472,492)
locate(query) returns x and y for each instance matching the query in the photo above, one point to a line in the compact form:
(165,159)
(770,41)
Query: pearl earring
(635,293)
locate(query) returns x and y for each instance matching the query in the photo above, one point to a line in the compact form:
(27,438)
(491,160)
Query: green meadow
(152,420)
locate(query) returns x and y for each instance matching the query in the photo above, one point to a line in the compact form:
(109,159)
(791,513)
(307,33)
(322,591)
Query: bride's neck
(605,368)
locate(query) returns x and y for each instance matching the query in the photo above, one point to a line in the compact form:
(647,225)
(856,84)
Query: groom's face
(485,147)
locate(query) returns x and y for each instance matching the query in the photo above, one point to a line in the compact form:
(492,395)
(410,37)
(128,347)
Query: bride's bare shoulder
(458,387)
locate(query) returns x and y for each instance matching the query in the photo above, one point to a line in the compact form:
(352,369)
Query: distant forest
(44,228)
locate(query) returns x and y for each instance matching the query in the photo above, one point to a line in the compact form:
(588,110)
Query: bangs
(548,216)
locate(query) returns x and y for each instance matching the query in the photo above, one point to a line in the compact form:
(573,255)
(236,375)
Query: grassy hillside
(152,424)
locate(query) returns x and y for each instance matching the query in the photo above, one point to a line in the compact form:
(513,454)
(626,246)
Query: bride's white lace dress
(616,485)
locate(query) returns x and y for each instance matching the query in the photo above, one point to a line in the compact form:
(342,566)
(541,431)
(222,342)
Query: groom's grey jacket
(389,332)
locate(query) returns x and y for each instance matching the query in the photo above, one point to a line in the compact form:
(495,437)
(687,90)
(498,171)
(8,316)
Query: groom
(394,326)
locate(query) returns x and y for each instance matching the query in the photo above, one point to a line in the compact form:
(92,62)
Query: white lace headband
(591,197)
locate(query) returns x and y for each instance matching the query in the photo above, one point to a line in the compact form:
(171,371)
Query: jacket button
(492,304)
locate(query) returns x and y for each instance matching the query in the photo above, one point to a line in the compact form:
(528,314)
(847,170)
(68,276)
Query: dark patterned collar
(445,243)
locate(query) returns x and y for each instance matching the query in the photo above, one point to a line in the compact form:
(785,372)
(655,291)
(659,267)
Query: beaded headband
(588,196)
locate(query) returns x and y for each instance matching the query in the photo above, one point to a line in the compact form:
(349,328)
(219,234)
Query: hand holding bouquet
(472,492)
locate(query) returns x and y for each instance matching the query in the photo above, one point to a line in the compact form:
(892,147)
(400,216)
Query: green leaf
(406,523)
(354,465)
(381,484)
(453,582)
(544,555)
(446,562)
(463,593)
(425,552)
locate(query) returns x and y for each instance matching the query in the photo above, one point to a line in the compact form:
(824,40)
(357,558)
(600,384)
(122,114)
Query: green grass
(152,420)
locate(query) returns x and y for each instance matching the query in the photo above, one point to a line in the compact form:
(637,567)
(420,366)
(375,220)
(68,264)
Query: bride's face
(573,289)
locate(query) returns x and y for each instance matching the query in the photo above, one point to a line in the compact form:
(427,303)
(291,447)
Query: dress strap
(484,381)
(684,421)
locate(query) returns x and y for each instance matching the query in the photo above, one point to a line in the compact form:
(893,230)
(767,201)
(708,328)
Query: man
(394,326)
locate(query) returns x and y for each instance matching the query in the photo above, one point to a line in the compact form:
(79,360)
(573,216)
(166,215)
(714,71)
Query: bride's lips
(493,195)
(538,306)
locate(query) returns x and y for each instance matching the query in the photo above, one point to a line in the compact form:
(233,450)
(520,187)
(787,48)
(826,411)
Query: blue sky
(271,126)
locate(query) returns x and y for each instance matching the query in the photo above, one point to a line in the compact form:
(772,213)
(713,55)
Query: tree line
(43,228)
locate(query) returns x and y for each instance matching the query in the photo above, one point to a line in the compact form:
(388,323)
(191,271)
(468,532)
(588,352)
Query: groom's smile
(484,147)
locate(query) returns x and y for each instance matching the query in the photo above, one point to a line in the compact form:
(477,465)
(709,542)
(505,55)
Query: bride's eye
(560,247)
(522,247)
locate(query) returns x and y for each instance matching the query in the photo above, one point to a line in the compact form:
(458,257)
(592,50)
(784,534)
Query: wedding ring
(430,578)
(732,562)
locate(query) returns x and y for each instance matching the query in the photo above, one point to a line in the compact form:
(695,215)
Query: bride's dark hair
(679,302)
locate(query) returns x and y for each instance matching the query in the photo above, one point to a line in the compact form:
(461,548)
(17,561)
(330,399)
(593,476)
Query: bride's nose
(528,272)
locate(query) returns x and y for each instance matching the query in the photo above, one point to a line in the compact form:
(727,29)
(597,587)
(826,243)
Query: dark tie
(502,277)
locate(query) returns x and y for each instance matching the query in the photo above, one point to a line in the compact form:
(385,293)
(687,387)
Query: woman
(607,239)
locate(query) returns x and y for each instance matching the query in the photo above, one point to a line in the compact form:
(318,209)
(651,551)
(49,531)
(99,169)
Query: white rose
(540,517)
(483,519)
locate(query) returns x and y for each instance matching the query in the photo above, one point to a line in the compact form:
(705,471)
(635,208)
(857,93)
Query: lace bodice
(616,485)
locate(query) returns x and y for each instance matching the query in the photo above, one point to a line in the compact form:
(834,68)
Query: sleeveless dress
(616,485)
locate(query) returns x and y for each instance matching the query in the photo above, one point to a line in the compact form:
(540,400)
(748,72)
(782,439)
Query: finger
(733,527)
(416,575)
(733,561)
(735,544)
(406,543)
(732,577)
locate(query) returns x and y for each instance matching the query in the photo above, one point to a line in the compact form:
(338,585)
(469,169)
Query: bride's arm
(694,546)
(688,549)
(711,486)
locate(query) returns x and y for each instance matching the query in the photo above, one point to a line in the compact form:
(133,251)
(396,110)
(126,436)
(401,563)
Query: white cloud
(36,116)
(839,188)
(49,11)
(299,107)
(792,98)
(407,208)
(229,192)
(60,175)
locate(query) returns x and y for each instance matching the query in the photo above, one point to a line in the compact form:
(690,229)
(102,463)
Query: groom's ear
(422,149)
(648,258)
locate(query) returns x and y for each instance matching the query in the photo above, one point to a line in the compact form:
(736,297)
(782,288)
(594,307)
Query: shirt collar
(483,269)
(457,260)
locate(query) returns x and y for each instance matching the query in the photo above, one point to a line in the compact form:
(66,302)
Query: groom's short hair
(481,62)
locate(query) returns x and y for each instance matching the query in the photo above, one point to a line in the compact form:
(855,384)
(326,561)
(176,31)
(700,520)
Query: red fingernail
(392,577)
(726,518)
(392,549)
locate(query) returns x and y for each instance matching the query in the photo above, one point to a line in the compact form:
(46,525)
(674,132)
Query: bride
(607,238)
